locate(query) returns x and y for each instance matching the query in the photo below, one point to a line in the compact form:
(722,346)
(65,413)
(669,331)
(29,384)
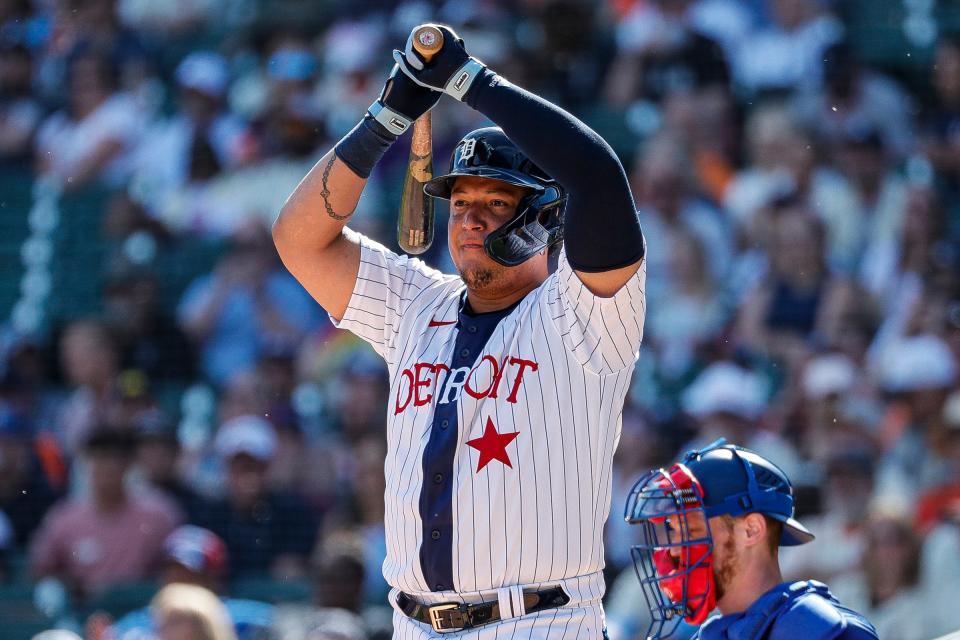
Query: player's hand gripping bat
(415,223)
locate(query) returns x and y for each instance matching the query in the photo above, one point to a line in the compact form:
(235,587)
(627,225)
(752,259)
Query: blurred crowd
(219,446)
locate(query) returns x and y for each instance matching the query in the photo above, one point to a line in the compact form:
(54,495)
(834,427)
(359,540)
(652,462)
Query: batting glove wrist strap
(393,121)
(462,80)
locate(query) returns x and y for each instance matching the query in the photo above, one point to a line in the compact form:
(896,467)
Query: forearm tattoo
(325,193)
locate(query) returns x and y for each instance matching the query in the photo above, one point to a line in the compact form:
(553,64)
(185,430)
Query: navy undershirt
(436,494)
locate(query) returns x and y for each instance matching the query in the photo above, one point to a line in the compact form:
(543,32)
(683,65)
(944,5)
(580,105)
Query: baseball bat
(415,223)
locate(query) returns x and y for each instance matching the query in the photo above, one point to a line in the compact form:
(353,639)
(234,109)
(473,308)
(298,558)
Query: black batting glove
(401,102)
(451,70)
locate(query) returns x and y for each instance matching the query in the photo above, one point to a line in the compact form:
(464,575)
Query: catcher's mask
(675,568)
(538,221)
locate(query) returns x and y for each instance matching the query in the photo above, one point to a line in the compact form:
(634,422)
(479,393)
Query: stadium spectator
(91,365)
(854,99)
(266,532)
(845,494)
(692,314)
(661,51)
(287,135)
(145,333)
(797,296)
(864,160)
(339,576)
(894,267)
(171,20)
(918,372)
(888,588)
(786,54)
(179,156)
(783,166)
(323,624)
(158,459)
(91,141)
(706,121)
(836,411)
(668,204)
(727,400)
(939,570)
(941,503)
(25,488)
(195,556)
(247,305)
(354,418)
(566,65)
(941,141)
(291,71)
(190,612)
(367,526)
(20,111)
(112,536)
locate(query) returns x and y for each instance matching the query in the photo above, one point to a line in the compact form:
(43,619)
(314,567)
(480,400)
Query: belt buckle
(437,622)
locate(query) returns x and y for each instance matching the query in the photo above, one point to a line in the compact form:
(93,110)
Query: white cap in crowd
(251,435)
(204,71)
(917,363)
(724,387)
(827,375)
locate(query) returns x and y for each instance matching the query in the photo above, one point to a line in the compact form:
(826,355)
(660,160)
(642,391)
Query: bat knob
(427,40)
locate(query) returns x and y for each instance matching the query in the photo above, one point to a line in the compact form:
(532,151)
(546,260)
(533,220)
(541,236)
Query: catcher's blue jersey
(803,610)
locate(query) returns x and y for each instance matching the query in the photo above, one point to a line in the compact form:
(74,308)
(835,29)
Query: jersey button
(472,329)
(437,478)
(435,534)
(439,587)
(444,424)
(465,353)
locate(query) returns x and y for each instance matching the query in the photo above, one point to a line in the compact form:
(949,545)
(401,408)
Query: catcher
(712,526)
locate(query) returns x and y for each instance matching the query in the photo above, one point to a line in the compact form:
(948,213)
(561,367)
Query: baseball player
(507,381)
(712,525)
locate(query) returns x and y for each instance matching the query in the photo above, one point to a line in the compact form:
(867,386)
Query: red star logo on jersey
(492,445)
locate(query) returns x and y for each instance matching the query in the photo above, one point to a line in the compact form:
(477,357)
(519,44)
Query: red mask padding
(689,578)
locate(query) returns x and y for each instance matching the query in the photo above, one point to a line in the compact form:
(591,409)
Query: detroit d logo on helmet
(469,147)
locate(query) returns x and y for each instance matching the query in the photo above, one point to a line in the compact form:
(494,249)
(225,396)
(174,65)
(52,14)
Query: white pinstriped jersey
(537,410)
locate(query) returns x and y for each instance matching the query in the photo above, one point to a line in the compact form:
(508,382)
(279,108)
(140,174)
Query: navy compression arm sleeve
(601,228)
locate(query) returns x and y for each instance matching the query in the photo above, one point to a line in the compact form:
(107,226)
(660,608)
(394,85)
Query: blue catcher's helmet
(538,222)
(737,481)
(675,567)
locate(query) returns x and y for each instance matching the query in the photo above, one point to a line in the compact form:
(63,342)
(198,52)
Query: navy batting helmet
(538,222)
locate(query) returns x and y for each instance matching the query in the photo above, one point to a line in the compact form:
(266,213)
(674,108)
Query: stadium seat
(16,185)
(78,255)
(23,629)
(19,618)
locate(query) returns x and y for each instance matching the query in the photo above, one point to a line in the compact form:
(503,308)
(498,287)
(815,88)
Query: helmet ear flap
(537,225)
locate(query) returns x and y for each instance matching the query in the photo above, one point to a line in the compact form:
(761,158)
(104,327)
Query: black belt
(455,616)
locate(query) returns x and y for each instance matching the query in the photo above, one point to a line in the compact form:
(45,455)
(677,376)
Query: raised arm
(602,233)
(310,232)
